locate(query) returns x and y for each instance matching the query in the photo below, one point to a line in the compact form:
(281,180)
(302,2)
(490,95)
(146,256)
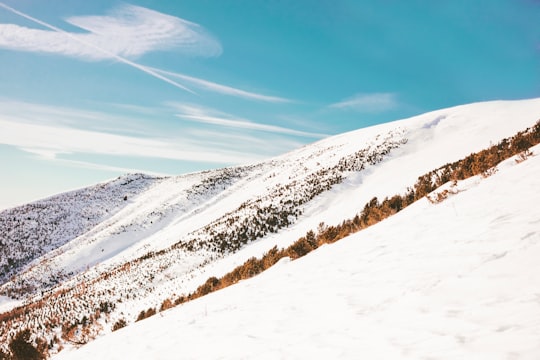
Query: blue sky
(93,89)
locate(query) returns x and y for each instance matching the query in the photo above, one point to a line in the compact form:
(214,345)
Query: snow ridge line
(283,204)
(46,274)
(32,230)
(482,163)
(94,297)
(376,211)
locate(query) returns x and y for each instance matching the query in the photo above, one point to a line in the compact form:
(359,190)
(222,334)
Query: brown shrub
(166,304)
(21,347)
(146,314)
(119,324)
(299,248)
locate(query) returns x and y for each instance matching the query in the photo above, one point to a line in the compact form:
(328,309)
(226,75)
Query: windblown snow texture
(435,280)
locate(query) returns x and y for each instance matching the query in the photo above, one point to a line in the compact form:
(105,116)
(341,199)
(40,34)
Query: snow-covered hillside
(170,234)
(455,280)
(32,230)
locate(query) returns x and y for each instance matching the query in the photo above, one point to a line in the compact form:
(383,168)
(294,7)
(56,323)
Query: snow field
(107,261)
(454,280)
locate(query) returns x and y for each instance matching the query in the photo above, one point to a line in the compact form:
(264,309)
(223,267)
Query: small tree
(22,348)
(119,324)
(166,304)
(3,355)
(146,314)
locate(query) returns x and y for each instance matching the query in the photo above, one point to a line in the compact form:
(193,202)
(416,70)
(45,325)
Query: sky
(90,90)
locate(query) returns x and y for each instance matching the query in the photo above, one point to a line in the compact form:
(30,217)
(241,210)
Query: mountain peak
(106,252)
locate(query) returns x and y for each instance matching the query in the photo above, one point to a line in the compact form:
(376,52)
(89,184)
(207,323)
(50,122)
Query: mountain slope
(32,230)
(167,239)
(454,280)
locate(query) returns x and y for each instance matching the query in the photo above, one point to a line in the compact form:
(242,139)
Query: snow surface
(172,210)
(454,280)
(289,313)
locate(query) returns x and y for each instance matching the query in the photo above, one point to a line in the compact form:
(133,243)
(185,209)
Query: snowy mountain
(32,230)
(455,280)
(406,287)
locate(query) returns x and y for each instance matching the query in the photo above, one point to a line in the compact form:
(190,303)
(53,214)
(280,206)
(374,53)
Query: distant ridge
(83,261)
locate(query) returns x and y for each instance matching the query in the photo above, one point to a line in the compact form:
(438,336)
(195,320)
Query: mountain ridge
(355,161)
(460,283)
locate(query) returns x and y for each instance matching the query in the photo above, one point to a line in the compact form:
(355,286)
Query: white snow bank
(454,280)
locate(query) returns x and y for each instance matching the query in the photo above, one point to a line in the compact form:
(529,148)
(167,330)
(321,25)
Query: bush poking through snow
(524,155)
(375,211)
(119,324)
(66,306)
(146,314)
(166,304)
(21,347)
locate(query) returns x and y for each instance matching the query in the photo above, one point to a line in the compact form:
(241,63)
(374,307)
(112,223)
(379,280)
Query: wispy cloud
(64,134)
(50,141)
(49,131)
(129,31)
(213,117)
(123,120)
(111,168)
(125,33)
(369,103)
(223,89)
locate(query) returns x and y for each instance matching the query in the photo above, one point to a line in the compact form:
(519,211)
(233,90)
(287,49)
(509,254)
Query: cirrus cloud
(369,103)
(60,134)
(127,31)
(223,89)
(209,116)
(49,141)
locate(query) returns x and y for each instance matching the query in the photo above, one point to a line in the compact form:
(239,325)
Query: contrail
(106,52)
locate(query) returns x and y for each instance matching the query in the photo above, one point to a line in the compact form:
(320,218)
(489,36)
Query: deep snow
(454,280)
(172,210)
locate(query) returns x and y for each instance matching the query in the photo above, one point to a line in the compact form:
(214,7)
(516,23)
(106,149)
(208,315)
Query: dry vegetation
(80,310)
(29,231)
(475,164)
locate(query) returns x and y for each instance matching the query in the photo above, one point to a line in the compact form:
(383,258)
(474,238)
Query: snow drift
(454,280)
(163,237)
